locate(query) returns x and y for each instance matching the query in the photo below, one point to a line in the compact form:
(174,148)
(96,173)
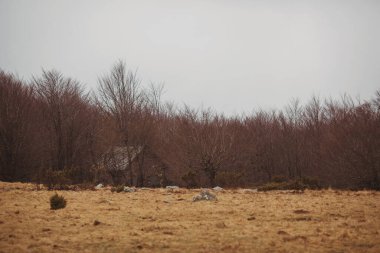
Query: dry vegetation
(155,220)
(54,132)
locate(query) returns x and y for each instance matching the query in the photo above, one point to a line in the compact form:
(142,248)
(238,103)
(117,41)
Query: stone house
(134,166)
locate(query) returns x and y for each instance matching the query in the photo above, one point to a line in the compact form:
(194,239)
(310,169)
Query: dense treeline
(52,126)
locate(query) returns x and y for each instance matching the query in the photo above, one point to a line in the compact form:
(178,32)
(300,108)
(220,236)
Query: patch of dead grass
(154,220)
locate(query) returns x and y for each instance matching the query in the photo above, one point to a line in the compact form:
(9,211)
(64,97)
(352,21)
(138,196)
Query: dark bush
(80,175)
(117,189)
(56,180)
(230,178)
(190,178)
(290,185)
(311,183)
(85,186)
(298,184)
(279,179)
(57,202)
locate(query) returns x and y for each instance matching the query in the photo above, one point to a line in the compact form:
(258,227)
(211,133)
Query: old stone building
(134,166)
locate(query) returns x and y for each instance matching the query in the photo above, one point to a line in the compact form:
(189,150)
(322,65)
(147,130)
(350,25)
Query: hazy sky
(232,55)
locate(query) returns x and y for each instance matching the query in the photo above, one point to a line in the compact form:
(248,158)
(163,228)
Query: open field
(161,221)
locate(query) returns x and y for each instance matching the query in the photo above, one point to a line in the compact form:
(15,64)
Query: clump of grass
(57,202)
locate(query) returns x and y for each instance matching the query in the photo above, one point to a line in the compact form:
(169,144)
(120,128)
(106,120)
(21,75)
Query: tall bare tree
(133,109)
(66,112)
(16,105)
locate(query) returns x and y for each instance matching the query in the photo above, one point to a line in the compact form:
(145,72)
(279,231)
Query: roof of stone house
(117,157)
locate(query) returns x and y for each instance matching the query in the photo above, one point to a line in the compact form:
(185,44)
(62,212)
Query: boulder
(218,189)
(129,189)
(204,195)
(99,186)
(172,188)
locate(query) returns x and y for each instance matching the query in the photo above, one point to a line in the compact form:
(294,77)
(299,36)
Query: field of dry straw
(155,220)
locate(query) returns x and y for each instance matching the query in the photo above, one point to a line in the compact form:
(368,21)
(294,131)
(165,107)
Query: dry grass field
(160,221)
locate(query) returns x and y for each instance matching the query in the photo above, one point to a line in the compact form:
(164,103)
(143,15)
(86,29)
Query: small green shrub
(57,202)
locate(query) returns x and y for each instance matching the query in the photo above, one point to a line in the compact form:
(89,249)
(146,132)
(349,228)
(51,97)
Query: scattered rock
(204,195)
(96,222)
(172,188)
(251,218)
(129,189)
(218,189)
(250,191)
(99,186)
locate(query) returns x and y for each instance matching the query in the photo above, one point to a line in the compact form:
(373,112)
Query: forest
(53,129)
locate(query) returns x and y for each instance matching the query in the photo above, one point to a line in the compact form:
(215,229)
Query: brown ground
(161,221)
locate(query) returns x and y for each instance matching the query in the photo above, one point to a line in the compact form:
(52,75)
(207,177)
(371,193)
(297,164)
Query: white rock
(99,186)
(250,191)
(218,189)
(172,187)
(205,195)
(129,189)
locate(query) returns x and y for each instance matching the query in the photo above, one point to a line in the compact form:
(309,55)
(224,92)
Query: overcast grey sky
(232,55)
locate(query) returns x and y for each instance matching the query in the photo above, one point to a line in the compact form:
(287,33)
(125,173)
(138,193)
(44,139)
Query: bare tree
(133,110)
(314,128)
(16,105)
(67,114)
(206,141)
(55,124)
(262,133)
